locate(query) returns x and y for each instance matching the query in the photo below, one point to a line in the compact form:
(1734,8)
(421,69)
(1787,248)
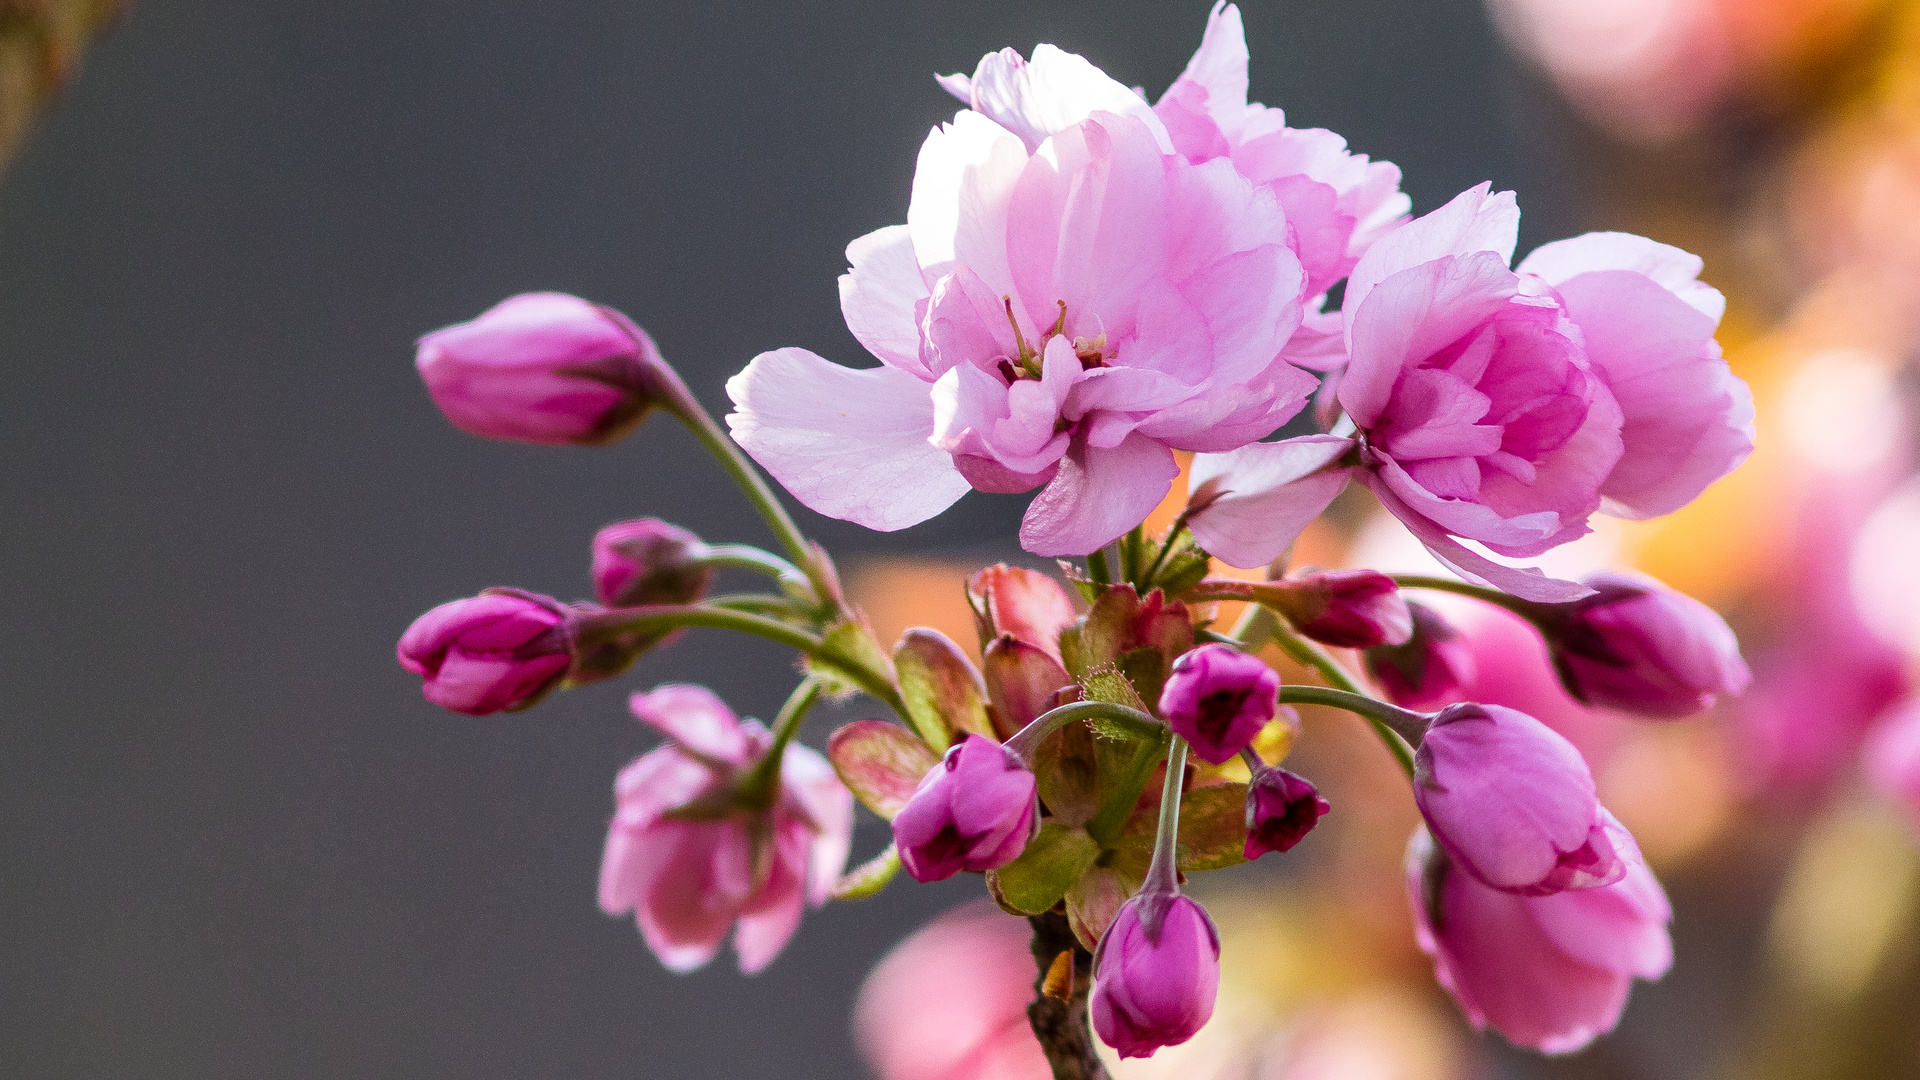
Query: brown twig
(1061,1026)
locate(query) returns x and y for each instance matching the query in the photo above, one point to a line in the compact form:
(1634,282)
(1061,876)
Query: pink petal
(1097,495)
(812,783)
(1411,315)
(1271,492)
(1219,66)
(1673,269)
(961,183)
(849,444)
(1620,927)
(878,296)
(1474,221)
(1528,583)
(1688,420)
(1055,90)
(696,719)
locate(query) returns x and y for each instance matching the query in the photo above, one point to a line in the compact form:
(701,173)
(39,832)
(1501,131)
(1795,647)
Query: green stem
(748,557)
(606,626)
(758,788)
(1112,816)
(764,604)
(1526,609)
(1163,873)
(1166,547)
(1133,721)
(1397,727)
(687,409)
(1256,627)
(1097,568)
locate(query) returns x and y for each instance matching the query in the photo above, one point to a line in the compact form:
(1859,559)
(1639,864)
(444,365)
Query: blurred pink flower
(542,368)
(1506,407)
(1548,972)
(689,864)
(1065,306)
(1282,809)
(649,561)
(1513,803)
(1893,758)
(1432,668)
(950,1002)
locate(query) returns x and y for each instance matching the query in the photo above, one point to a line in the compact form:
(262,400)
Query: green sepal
(1053,860)
(942,692)
(869,877)
(881,763)
(1213,829)
(847,648)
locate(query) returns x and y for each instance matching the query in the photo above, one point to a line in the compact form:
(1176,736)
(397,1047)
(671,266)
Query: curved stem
(757,789)
(1397,727)
(1112,816)
(1163,873)
(1029,738)
(748,557)
(763,603)
(1526,609)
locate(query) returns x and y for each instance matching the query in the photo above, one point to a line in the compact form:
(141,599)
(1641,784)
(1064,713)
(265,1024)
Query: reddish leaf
(880,763)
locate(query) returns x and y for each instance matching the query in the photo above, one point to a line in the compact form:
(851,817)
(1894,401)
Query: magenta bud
(973,811)
(1513,803)
(542,368)
(1350,609)
(1155,974)
(1548,972)
(1218,698)
(1282,809)
(1430,669)
(1642,647)
(501,650)
(649,562)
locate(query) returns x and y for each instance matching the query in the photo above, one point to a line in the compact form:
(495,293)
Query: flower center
(1093,352)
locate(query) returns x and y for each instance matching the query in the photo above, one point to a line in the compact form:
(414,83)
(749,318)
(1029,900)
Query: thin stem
(1097,568)
(1133,721)
(1256,627)
(748,557)
(1316,658)
(1397,727)
(684,406)
(1166,547)
(1526,609)
(1163,873)
(764,604)
(757,789)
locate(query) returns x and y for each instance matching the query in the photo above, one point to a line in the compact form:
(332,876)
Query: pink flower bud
(1640,646)
(973,811)
(648,562)
(1350,609)
(1430,669)
(690,864)
(1282,809)
(501,650)
(1155,974)
(1548,972)
(1027,604)
(1513,803)
(1218,698)
(542,368)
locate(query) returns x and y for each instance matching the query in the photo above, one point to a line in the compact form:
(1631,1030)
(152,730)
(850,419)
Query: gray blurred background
(234,841)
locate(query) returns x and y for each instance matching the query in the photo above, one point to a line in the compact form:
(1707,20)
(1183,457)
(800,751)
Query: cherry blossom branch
(1060,1024)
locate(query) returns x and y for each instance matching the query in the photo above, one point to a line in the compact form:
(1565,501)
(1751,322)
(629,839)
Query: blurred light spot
(1841,412)
(1848,893)
(1885,569)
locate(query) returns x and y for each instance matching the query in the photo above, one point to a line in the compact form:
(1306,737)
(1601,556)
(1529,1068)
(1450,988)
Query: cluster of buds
(1476,402)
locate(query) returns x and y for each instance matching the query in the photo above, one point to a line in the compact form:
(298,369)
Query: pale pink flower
(1893,757)
(1640,646)
(689,877)
(1507,407)
(1548,972)
(1064,315)
(502,650)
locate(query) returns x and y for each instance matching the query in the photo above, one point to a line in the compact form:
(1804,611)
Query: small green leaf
(1213,828)
(880,763)
(1066,766)
(943,692)
(869,877)
(1184,568)
(1053,861)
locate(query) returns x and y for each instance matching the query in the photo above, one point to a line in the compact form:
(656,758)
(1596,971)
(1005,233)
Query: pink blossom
(1218,698)
(950,1002)
(1155,974)
(1339,203)
(1507,407)
(1548,972)
(1063,315)
(1348,609)
(1282,809)
(689,877)
(1893,757)
(1642,647)
(501,650)
(542,368)
(1247,507)
(974,811)
(1513,803)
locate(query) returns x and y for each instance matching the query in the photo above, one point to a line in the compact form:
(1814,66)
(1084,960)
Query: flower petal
(1269,493)
(1097,495)
(849,444)
(1528,583)
(1474,221)
(879,294)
